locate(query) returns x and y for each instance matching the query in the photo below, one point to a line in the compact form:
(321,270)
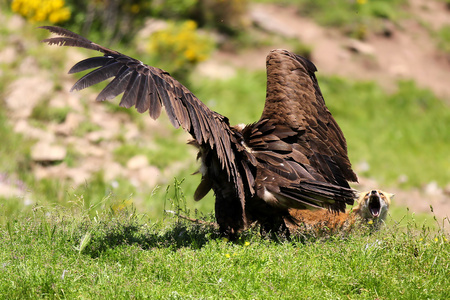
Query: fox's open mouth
(374,205)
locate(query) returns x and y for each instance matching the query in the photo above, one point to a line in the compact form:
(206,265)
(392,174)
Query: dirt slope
(409,53)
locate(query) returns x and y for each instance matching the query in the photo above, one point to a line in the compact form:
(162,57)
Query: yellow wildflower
(135,8)
(41,10)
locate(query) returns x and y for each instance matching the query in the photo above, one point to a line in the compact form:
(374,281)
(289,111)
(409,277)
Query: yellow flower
(118,207)
(436,239)
(361,2)
(135,8)
(247,244)
(227,255)
(190,54)
(41,10)
(370,222)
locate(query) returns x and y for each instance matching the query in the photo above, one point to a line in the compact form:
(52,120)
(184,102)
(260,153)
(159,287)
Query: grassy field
(96,241)
(60,253)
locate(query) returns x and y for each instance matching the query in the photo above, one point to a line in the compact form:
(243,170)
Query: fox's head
(373,205)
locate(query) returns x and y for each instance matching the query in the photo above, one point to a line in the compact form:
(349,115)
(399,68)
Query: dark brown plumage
(295,156)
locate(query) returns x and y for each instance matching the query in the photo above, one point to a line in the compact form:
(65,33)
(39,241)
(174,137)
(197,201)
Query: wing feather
(97,76)
(294,99)
(130,94)
(155,103)
(89,63)
(116,86)
(150,88)
(299,147)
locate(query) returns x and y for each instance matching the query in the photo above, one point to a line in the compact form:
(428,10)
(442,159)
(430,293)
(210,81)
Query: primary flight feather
(295,156)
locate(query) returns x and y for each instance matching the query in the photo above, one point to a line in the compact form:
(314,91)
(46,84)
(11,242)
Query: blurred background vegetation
(403,136)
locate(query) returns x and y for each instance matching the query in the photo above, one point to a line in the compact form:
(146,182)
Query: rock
(112,170)
(41,172)
(131,132)
(264,19)
(212,69)
(360,47)
(8,55)
(30,67)
(447,190)
(15,23)
(149,176)
(85,148)
(22,126)
(100,135)
(432,188)
(77,175)
(46,152)
(72,122)
(9,191)
(25,92)
(137,162)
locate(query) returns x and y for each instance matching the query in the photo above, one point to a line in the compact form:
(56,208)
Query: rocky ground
(406,53)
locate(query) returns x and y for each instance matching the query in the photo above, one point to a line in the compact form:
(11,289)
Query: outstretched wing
(150,88)
(300,145)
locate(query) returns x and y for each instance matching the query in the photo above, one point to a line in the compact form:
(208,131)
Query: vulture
(293,157)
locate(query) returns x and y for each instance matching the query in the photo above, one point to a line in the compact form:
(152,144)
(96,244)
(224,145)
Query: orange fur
(325,220)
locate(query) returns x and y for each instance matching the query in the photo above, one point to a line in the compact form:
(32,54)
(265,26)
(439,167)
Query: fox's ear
(390,195)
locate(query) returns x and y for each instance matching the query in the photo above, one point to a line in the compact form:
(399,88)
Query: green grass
(53,252)
(442,37)
(44,113)
(404,133)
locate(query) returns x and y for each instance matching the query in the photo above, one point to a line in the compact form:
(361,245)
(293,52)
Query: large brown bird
(295,156)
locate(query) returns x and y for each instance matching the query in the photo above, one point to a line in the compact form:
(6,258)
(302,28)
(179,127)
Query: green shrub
(179,47)
(443,38)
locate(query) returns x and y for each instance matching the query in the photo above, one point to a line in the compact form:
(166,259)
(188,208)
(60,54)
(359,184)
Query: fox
(371,208)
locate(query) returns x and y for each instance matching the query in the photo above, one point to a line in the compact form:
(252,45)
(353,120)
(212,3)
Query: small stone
(149,175)
(25,93)
(113,170)
(45,152)
(22,126)
(8,55)
(72,122)
(360,47)
(432,188)
(137,162)
(10,191)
